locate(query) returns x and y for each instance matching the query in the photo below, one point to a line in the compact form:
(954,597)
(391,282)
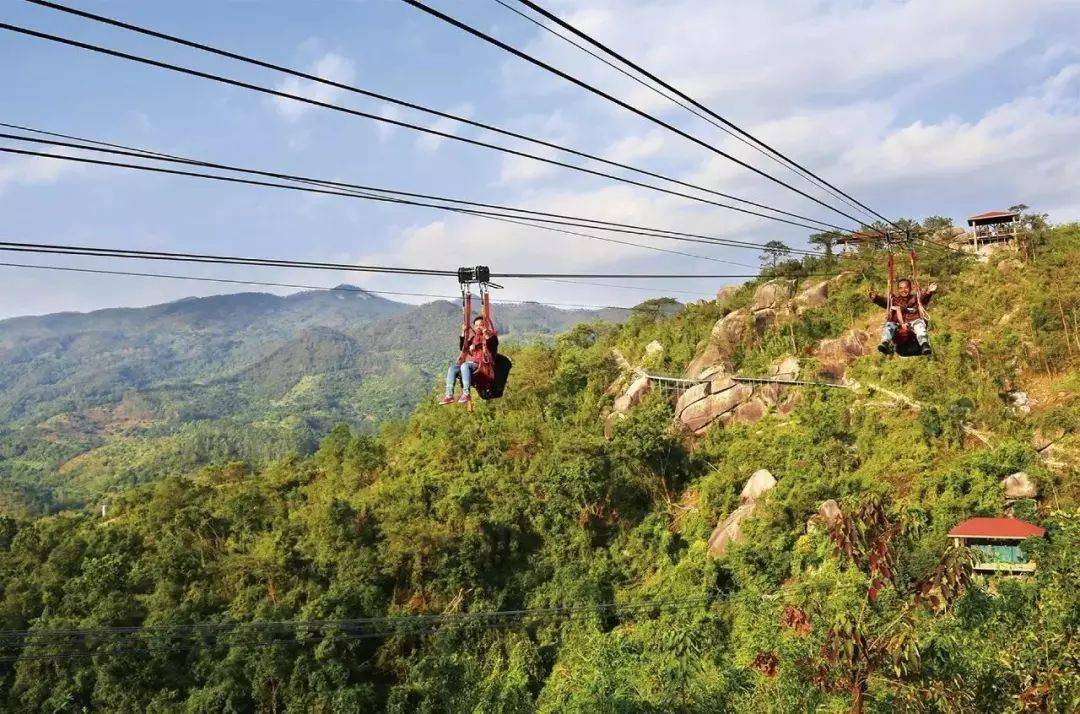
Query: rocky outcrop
(759,483)
(772,294)
(1019,485)
(763,320)
(811,297)
(729,530)
(729,331)
(707,359)
(653,348)
(633,395)
(829,512)
(836,354)
(696,416)
(724,294)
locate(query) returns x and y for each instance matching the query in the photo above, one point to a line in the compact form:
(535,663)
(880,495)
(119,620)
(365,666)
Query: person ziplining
(478,363)
(905,314)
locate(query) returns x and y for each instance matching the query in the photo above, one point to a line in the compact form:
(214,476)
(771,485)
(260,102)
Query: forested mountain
(728,547)
(98,401)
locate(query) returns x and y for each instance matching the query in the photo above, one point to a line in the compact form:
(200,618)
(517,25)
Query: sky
(915,107)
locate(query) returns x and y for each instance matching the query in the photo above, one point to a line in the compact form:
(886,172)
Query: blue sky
(917,107)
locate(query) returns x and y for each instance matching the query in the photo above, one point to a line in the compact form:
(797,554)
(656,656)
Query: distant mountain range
(92,401)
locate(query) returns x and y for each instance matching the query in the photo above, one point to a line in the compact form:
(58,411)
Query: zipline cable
(382,97)
(354,193)
(688,107)
(415,127)
(596,43)
(64,642)
(629,107)
(365,191)
(353,289)
(24,247)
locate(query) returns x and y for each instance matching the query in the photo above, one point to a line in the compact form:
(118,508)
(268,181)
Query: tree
(826,240)
(773,252)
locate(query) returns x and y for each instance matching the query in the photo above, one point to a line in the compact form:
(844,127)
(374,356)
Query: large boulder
(1019,485)
(653,348)
(729,331)
(724,294)
(811,297)
(836,354)
(787,368)
(633,395)
(750,411)
(772,294)
(706,360)
(829,512)
(760,482)
(763,320)
(729,530)
(691,396)
(698,416)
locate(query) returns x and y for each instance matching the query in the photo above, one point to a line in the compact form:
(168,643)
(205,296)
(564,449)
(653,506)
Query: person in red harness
(905,309)
(477,348)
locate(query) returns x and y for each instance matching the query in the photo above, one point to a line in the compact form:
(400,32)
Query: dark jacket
(908,307)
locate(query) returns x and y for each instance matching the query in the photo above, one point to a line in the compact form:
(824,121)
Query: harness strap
(915,284)
(466,303)
(892,289)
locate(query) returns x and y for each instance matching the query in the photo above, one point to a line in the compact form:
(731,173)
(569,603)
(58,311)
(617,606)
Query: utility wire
(62,644)
(416,127)
(22,247)
(596,43)
(382,97)
(629,107)
(350,288)
(362,192)
(354,193)
(678,102)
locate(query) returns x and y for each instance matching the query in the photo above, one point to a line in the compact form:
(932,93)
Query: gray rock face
(760,482)
(633,395)
(699,415)
(729,530)
(724,294)
(1019,485)
(763,320)
(835,355)
(813,296)
(772,294)
(729,331)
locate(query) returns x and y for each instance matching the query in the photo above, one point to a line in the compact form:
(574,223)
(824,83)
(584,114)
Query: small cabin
(997,541)
(994,227)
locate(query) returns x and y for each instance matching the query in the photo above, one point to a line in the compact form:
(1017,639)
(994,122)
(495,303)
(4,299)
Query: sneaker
(465,399)
(447,400)
(885,348)
(925,348)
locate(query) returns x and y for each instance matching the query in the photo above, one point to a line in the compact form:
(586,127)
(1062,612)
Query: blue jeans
(465,369)
(917,326)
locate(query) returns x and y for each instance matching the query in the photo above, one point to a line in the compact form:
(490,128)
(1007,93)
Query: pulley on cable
(479,363)
(905,331)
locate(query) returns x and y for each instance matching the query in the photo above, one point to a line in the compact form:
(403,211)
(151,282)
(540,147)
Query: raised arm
(878,299)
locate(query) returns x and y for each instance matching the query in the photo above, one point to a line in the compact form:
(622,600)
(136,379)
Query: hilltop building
(997,540)
(994,227)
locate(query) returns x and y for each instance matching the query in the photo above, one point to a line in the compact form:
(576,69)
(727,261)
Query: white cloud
(383,129)
(430,143)
(331,66)
(34,170)
(632,148)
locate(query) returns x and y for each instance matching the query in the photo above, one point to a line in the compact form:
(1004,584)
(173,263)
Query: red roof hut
(997,540)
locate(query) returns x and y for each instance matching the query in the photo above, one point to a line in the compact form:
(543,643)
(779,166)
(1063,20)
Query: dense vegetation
(90,403)
(526,504)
